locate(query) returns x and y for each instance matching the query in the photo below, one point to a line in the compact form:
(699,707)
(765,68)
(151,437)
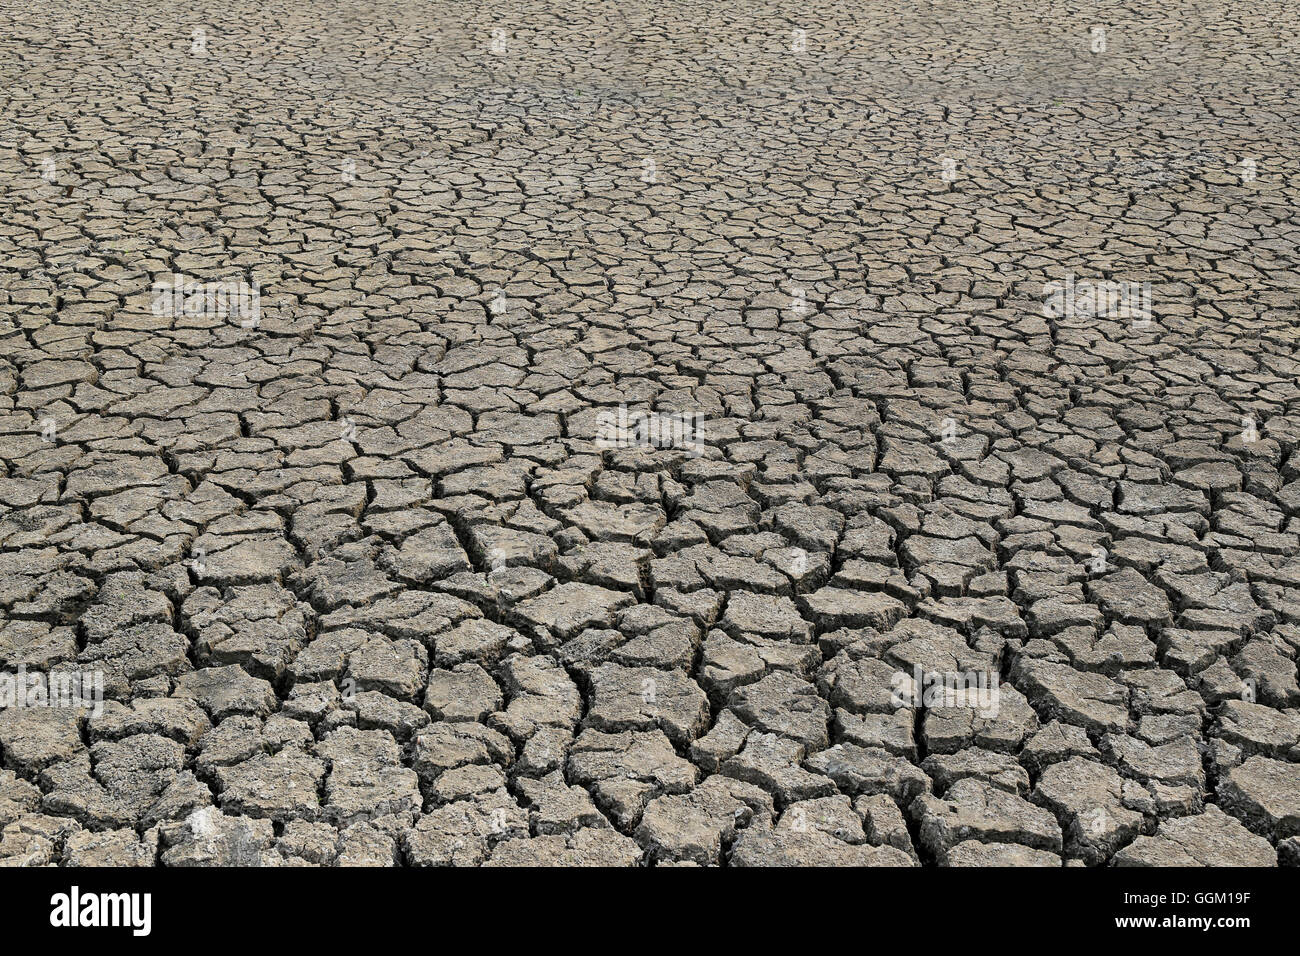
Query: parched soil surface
(626,424)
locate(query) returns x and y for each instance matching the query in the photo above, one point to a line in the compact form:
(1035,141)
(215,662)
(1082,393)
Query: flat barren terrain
(609,433)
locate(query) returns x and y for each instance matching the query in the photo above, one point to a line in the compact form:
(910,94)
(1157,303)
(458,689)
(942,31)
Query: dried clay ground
(368,581)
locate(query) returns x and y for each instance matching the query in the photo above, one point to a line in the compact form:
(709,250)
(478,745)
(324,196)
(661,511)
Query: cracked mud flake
(878,445)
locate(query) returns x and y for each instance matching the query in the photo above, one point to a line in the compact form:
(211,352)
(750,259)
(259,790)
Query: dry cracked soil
(649,434)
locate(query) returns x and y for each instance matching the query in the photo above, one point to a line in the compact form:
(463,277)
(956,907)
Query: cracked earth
(366,584)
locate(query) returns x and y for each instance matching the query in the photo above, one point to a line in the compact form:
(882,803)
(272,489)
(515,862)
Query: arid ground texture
(601,433)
